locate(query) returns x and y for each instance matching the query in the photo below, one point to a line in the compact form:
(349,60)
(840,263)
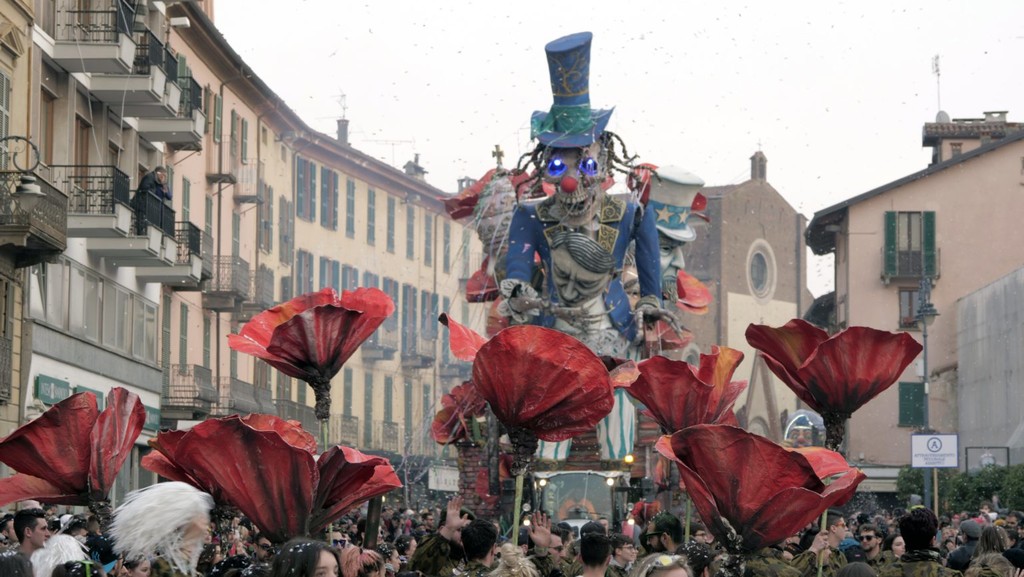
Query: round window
(761,273)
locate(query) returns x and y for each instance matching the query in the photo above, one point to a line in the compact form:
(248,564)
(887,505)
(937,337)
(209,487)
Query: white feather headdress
(154,521)
(59,550)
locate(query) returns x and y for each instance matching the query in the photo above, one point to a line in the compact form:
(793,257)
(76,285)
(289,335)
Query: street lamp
(926,314)
(27,194)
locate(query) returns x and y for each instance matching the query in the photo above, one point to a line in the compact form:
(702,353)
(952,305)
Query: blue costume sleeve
(522,245)
(648,261)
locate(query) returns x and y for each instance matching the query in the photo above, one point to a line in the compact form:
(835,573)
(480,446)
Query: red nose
(569,185)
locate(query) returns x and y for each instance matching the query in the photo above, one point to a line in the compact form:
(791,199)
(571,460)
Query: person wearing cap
(918,528)
(960,558)
(664,534)
(10,541)
(673,191)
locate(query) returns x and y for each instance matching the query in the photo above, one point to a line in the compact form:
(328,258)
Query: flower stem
(517,508)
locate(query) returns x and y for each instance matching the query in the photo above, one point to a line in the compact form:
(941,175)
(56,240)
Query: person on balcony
(155,184)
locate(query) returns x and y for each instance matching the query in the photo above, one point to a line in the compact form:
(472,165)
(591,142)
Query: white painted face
(671,256)
(575,284)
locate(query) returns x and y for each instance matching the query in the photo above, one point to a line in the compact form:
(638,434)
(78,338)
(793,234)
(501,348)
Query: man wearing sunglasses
(870,544)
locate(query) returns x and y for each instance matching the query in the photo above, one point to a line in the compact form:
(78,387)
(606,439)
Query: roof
(822,241)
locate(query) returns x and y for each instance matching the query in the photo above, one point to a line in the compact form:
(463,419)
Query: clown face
(577,174)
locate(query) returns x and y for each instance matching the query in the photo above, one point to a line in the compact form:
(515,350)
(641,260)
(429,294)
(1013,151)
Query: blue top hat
(570,123)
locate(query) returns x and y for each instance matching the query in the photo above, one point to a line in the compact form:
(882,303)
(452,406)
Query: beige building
(954,223)
(751,255)
(262,208)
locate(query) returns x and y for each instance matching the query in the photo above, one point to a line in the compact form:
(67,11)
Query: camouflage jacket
(921,563)
(807,563)
(159,567)
(475,569)
(768,563)
(437,557)
(614,570)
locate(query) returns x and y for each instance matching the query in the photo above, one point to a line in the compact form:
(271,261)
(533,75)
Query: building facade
(943,224)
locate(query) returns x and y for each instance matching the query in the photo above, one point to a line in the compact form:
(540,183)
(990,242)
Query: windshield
(577,496)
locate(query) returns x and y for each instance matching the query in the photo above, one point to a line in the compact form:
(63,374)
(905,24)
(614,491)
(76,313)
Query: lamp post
(27,194)
(926,314)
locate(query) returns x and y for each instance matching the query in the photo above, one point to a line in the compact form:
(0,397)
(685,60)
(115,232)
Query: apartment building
(262,208)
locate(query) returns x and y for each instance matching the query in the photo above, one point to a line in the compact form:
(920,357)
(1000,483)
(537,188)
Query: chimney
(413,168)
(759,166)
(343,131)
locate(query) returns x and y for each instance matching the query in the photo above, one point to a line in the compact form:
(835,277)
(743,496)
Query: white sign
(932,450)
(443,478)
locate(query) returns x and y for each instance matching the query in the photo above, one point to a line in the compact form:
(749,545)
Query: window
(408,318)
(371,217)
(910,244)
(144,330)
(349,277)
(370,279)
(911,404)
(428,400)
(325,273)
(346,402)
(305,189)
(328,204)
(410,231)
(236,232)
(446,243)
(286,230)
(389,386)
(908,308)
(429,313)
(390,288)
(301,392)
(428,238)
(368,407)
(83,313)
(208,225)
(407,414)
(245,141)
(761,272)
(445,335)
(218,117)
(183,334)
(233,137)
(350,208)
(265,215)
(956,148)
(391,224)
(186,200)
(233,364)
(304,272)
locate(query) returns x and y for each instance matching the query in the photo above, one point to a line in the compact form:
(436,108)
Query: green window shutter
(928,244)
(890,244)
(183,334)
(911,404)
(368,408)
(183,66)
(346,401)
(245,141)
(218,117)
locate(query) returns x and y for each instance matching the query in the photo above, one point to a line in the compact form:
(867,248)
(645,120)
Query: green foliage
(961,491)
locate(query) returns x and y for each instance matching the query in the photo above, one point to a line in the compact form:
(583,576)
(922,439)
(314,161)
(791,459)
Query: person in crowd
(664,533)
(624,554)
(438,554)
(406,546)
(211,555)
(918,528)
(14,564)
(893,547)
(512,563)
(857,569)
(990,565)
(31,530)
(870,541)
(699,557)
(960,558)
(826,545)
(392,561)
(478,541)
(662,565)
(139,567)
(79,569)
(595,553)
(359,562)
(7,538)
(263,549)
(991,541)
(307,558)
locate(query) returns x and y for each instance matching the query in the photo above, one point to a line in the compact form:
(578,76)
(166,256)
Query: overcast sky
(834,93)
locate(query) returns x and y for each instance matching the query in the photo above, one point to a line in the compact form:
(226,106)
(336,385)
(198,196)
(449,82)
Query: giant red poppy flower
(452,422)
(835,375)
(267,468)
(694,296)
(679,395)
(750,492)
(540,383)
(311,336)
(72,453)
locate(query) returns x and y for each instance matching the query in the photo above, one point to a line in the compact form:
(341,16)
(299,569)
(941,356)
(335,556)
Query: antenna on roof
(342,101)
(938,79)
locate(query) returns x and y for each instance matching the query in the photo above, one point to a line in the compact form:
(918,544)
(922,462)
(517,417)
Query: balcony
(6,369)
(418,351)
(37,235)
(236,397)
(98,200)
(292,411)
(150,89)
(382,345)
(190,395)
(456,371)
(265,400)
(192,261)
(94,36)
(345,430)
(151,242)
(386,437)
(229,285)
(910,265)
(184,130)
(261,294)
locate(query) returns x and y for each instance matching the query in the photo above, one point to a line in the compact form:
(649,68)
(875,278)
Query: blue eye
(556,167)
(588,166)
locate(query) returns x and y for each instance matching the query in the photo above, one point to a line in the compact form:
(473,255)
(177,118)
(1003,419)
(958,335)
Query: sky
(834,93)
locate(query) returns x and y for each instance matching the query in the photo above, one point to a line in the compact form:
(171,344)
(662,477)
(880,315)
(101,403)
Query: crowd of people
(456,542)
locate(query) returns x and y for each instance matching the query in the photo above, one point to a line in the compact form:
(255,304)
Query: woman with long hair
(306,558)
(990,542)
(359,562)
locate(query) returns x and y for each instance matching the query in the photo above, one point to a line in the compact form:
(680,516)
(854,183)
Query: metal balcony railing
(92,189)
(383,339)
(6,367)
(265,399)
(386,436)
(230,275)
(236,396)
(170,64)
(193,241)
(262,290)
(345,430)
(293,411)
(78,22)
(191,387)
(191,96)
(149,53)
(909,264)
(49,218)
(151,210)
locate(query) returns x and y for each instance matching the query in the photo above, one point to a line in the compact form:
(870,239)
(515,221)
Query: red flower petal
(463,341)
(113,437)
(290,431)
(694,296)
(447,427)
(544,381)
(744,481)
(270,481)
(348,478)
(20,487)
(785,349)
(854,366)
(56,446)
(826,463)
